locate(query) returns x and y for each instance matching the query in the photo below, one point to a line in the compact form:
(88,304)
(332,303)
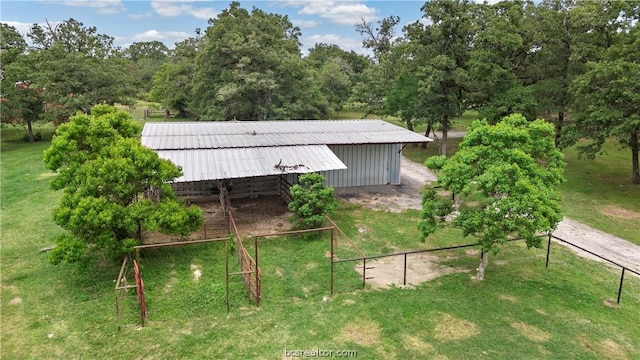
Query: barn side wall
(377,164)
(238,188)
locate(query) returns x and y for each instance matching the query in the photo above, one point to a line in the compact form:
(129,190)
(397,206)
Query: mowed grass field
(522,310)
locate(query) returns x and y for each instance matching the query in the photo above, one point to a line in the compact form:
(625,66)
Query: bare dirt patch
(392,198)
(46,175)
(606,349)
(416,344)
(611,303)
(279,271)
(15,301)
(450,327)
(509,298)
(620,213)
(361,332)
(265,214)
(472,252)
(531,332)
(388,271)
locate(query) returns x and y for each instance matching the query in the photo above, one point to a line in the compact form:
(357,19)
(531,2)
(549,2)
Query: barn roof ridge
(252,134)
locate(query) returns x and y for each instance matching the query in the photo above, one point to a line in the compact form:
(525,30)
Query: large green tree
(377,80)
(250,68)
(606,92)
(511,170)
(500,61)
(12,45)
(21,101)
(146,58)
(608,105)
(337,72)
(105,172)
(77,66)
(173,82)
(442,49)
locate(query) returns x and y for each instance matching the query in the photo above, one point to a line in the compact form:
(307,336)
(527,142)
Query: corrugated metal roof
(214,164)
(249,134)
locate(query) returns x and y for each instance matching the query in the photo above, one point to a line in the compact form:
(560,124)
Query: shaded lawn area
(521,310)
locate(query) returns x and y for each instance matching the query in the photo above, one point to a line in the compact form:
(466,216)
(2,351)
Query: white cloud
(344,43)
(346,13)
(305,23)
(139,16)
(488,2)
(103,7)
(183,7)
(23,28)
(152,35)
(340,12)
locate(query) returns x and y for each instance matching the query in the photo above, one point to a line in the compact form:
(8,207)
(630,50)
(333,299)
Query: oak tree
(511,170)
(250,68)
(105,172)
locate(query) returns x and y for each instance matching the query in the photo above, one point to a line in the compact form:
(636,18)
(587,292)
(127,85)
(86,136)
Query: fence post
(255,245)
(404,279)
(620,288)
(226,252)
(364,272)
(332,237)
(548,250)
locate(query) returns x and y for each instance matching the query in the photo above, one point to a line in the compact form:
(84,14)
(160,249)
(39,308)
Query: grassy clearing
(11,132)
(599,192)
(459,124)
(521,310)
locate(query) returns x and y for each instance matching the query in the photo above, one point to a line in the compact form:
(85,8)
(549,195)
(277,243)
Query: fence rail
(624,268)
(550,236)
(249,270)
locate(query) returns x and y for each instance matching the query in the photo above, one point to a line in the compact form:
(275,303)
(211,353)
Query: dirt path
(612,247)
(415,175)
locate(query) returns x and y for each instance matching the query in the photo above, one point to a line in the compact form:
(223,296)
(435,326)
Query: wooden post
(226,251)
(255,245)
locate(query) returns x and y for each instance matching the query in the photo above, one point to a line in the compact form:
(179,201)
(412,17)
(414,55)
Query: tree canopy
(105,173)
(250,68)
(511,170)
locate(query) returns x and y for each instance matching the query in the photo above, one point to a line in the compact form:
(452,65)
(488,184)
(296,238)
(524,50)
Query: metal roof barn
(371,149)
(223,135)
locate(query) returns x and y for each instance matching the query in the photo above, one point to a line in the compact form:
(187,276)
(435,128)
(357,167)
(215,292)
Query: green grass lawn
(522,310)
(599,192)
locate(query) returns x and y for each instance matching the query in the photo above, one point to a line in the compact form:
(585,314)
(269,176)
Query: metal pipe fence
(405,254)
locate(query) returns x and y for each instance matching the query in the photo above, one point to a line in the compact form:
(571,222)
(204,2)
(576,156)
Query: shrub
(311,201)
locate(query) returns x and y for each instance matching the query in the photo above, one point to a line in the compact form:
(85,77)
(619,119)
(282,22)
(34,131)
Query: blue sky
(330,22)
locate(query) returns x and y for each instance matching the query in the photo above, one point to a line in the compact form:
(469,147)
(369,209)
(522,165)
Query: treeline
(575,63)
